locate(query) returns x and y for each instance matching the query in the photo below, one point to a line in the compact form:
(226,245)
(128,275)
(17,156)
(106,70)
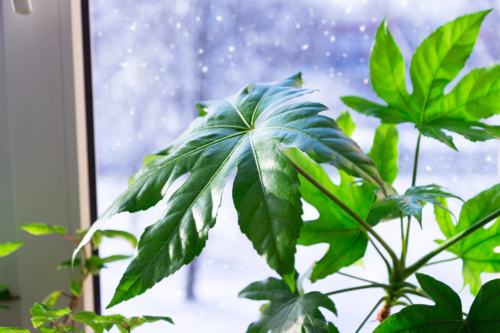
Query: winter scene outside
(154,59)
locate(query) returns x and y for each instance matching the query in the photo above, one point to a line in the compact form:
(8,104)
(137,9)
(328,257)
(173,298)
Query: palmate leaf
(9,247)
(414,199)
(346,238)
(476,250)
(446,316)
(265,190)
(436,62)
(287,311)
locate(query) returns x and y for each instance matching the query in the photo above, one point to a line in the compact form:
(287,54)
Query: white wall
(43,157)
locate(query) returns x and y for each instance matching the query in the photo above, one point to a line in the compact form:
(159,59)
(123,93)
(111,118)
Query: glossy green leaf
(387,72)
(100,262)
(38,229)
(345,123)
(13,330)
(288,312)
(9,247)
(75,287)
(42,310)
(99,234)
(51,300)
(67,264)
(384,152)
(436,62)
(446,316)
(87,318)
(346,238)
(477,251)
(414,199)
(265,190)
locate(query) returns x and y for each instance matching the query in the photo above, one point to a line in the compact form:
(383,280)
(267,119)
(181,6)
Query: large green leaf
(38,229)
(265,190)
(346,238)
(476,250)
(414,199)
(446,316)
(9,247)
(287,311)
(436,62)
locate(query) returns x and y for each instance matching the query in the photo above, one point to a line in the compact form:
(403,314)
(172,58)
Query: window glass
(154,59)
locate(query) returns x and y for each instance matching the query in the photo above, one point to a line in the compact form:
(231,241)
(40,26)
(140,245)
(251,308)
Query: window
(154,59)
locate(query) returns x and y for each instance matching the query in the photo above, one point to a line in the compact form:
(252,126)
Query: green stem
(349,211)
(450,242)
(413,182)
(371,312)
(415,163)
(403,242)
(389,269)
(378,285)
(441,261)
(402,292)
(357,278)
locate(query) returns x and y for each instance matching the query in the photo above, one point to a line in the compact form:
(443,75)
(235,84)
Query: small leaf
(345,123)
(42,310)
(100,262)
(67,264)
(13,330)
(288,312)
(446,316)
(87,318)
(38,229)
(4,307)
(477,250)
(120,234)
(412,202)
(384,152)
(9,247)
(52,298)
(75,287)
(110,319)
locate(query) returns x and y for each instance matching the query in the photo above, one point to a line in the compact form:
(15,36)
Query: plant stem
(389,269)
(71,239)
(450,242)
(403,242)
(378,285)
(441,261)
(413,292)
(406,238)
(371,312)
(415,163)
(357,278)
(349,211)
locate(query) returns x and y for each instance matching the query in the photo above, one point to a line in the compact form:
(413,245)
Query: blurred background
(154,59)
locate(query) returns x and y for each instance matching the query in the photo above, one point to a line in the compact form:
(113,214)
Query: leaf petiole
(357,278)
(440,261)
(450,242)
(378,285)
(371,312)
